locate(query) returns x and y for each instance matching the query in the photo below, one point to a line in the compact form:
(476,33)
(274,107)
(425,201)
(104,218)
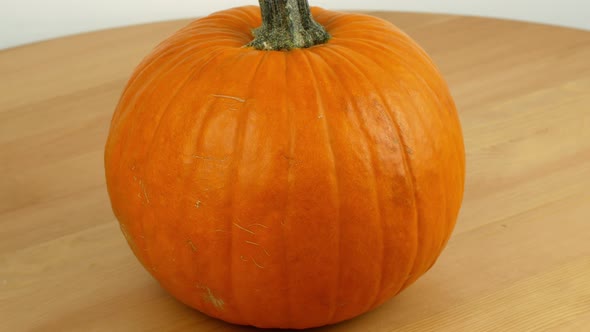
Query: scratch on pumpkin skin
(192,245)
(244,229)
(209,297)
(220,159)
(231,97)
(243,259)
(256,263)
(259,225)
(258,245)
(142,185)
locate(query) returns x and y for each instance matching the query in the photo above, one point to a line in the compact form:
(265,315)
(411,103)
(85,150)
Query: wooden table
(519,259)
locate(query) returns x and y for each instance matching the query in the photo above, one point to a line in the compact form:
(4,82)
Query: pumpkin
(290,176)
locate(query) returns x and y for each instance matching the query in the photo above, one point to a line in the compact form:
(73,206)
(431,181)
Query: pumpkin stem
(287,24)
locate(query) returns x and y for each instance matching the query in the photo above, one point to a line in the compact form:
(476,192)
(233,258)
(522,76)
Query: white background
(25,21)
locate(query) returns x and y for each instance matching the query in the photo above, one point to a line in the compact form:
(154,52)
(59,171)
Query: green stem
(287,24)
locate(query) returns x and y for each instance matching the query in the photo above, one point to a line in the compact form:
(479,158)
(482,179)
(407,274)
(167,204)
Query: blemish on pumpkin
(198,204)
(243,258)
(220,159)
(214,300)
(256,263)
(231,97)
(409,150)
(258,245)
(145,195)
(213,188)
(244,229)
(259,225)
(191,245)
(292,161)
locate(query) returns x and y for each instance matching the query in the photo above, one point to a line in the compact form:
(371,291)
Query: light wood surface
(519,259)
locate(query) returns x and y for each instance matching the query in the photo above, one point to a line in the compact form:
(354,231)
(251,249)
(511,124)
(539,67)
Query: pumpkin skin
(287,189)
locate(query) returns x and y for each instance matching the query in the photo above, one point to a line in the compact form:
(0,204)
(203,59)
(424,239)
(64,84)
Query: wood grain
(519,259)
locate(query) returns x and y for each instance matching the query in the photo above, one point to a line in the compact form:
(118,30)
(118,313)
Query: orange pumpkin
(293,186)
